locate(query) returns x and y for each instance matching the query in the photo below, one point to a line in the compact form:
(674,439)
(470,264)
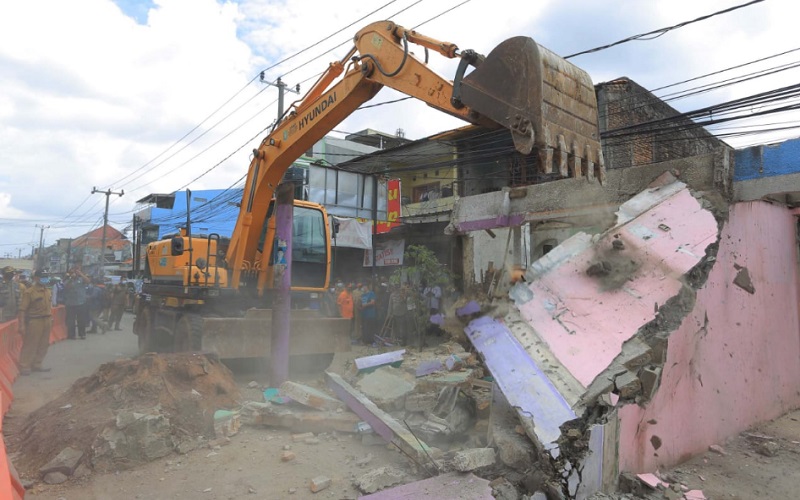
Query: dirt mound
(128,411)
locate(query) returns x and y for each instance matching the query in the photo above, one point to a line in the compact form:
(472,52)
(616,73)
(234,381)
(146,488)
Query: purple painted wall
(742,365)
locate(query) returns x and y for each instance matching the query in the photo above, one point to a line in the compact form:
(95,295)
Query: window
(425,192)
(309,248)
(308,236)
(547,246)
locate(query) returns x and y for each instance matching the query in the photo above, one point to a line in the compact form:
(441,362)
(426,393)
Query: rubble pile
(126,413)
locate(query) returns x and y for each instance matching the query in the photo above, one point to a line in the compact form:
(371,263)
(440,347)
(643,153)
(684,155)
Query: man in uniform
(35,319)
(75,303)
(369,315)
(119,298)
(9,295)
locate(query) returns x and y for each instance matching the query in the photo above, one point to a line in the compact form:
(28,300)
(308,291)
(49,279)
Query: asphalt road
(70,360)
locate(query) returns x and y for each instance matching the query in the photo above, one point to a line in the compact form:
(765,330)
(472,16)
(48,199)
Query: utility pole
(108,193)
(69,253)
(40,260)
(282,88)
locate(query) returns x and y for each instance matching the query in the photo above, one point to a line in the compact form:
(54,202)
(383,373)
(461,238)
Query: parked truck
(213,294)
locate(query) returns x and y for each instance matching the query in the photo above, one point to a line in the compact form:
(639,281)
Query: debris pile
(126,413)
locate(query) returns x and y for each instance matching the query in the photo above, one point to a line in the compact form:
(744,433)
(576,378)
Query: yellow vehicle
(213,294)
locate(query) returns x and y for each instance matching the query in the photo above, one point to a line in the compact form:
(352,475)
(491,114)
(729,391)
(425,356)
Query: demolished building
(635,345)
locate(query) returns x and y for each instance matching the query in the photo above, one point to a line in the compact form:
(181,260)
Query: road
(70,360)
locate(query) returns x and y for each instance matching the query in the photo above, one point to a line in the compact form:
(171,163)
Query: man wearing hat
(9,295)
(35,320)
(76,308)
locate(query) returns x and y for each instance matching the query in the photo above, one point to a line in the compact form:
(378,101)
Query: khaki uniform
(118,299)
(35,310)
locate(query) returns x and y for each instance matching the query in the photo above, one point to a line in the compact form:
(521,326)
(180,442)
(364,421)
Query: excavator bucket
(250,336)
(547,103)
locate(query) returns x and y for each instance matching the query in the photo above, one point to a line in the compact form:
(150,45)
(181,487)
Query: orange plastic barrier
(9,343)
(10,348)
(58,331)
(10,485)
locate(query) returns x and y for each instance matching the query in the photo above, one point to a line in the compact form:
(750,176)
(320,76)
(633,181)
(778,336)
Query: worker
(369,314)
(35,320)
(77,312)
(118,300)
(432,294)
(345,302)
(9,295)
(95,300)
(355,328)
(399,314)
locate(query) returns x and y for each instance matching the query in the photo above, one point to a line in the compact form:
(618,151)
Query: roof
(410,155)
(94,239)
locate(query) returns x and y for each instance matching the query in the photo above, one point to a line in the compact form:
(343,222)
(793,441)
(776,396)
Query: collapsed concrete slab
(579,331)
(381,422)
(585,317)
(309,396)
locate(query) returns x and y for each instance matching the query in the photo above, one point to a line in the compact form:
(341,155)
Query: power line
(662,31)
(317,43)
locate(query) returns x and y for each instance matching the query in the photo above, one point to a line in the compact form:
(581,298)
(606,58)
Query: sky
(140,96)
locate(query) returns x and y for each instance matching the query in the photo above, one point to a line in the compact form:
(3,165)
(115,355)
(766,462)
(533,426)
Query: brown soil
(167,380)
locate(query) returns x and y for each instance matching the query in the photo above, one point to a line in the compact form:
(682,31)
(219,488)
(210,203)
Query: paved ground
(69,361)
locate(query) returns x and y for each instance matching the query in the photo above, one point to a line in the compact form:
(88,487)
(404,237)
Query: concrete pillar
(282,305)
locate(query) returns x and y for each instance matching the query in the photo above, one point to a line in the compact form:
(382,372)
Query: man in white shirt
(433,295)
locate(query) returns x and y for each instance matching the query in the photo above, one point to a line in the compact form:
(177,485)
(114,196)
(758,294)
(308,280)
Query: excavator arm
(519,86)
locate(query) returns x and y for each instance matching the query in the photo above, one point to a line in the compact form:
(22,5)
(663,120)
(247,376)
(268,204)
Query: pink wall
(744,366)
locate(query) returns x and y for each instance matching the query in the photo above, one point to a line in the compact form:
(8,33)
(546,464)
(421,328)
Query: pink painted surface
(584,320)
(735,359)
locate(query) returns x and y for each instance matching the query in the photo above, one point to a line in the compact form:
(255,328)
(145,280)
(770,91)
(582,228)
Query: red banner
(392,207)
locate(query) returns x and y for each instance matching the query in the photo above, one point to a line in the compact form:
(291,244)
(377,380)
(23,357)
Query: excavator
(213,294)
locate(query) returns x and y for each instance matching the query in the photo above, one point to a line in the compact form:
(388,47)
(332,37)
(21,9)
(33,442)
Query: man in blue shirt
(75,303)
(369,316)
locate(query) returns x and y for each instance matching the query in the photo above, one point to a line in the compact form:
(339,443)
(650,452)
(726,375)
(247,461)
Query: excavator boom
(547,104)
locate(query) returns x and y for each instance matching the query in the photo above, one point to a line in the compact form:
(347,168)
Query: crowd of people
(90,304)
(389,310)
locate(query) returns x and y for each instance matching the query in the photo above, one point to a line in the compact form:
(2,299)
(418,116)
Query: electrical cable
(662,31)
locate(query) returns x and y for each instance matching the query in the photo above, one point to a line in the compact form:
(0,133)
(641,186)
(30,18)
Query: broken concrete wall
(735,359)
(497,248)
(573,334)
(580,203)
(584,317)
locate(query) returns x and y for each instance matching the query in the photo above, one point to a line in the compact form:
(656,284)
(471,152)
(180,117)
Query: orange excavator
(212,294)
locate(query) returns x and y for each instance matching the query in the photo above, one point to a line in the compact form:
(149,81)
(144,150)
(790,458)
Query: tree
(420,265)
